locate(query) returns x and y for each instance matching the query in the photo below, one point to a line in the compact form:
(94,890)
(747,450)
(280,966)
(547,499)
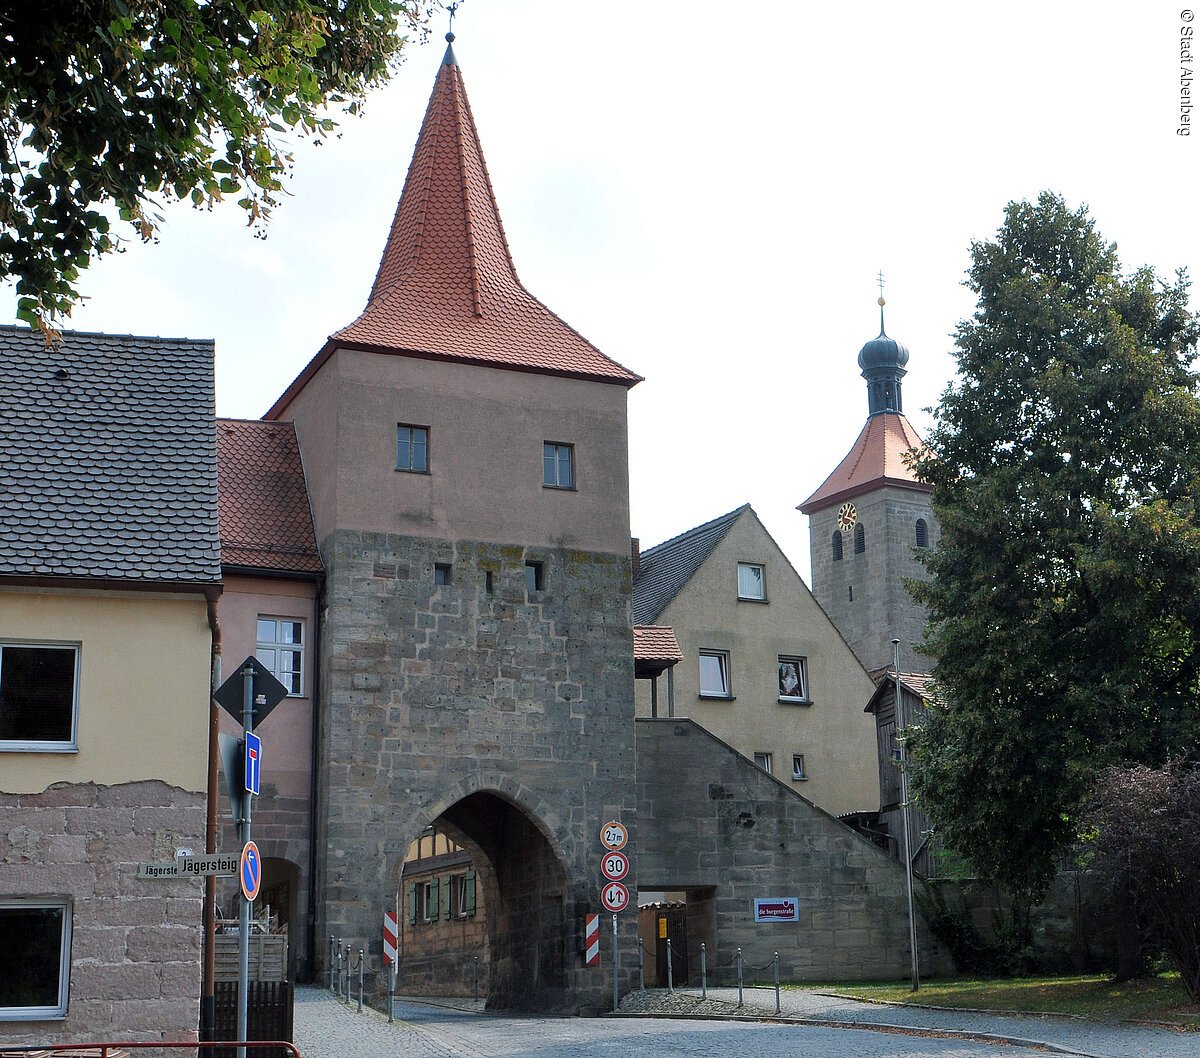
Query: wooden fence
(268,1014)
(268,957)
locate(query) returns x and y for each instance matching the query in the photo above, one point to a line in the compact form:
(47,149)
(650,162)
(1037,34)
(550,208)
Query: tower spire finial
(882,302)
(453,10)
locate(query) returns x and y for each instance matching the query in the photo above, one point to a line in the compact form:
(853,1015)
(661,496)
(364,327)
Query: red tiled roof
(446,287)
(262,499)
(655,643)
(876,458)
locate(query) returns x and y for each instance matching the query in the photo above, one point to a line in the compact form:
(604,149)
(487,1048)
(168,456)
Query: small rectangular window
(798,772)
(441,573)
(751,582)
(281,649)
(489,581)
(35,935)
(429,900)
(38,697)
(714,674)
(793,680)
(535,577)
(412,448)
(763,760)
(558,465)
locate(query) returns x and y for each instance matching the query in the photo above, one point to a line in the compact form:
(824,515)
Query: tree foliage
(1062,599)
(1146,825)
(109,108)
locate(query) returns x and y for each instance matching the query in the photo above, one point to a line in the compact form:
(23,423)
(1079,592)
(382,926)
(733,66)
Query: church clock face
(846,518)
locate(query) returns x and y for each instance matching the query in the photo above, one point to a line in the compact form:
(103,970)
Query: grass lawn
(1160,998)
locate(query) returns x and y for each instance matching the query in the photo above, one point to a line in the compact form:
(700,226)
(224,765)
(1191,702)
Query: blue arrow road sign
(250,871)
(253,761)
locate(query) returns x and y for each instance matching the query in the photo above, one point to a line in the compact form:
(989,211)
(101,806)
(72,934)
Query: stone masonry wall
(709,817)
(434,693)
(135,943)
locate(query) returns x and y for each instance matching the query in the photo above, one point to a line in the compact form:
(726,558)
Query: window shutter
(412,903)
(468,907)
(431,912)
(447,882)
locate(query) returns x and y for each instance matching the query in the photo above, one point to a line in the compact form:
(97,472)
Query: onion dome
(882,361)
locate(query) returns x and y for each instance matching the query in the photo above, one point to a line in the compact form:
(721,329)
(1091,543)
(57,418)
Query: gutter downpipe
(208,1008)
(315,685)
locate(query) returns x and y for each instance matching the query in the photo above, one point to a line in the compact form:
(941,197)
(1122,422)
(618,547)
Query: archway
(488,897)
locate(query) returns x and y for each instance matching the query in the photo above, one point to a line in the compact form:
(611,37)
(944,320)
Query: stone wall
(456,699)
(135,943)
(717,826)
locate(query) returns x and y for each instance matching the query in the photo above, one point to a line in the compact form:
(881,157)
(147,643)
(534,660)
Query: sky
(707,192)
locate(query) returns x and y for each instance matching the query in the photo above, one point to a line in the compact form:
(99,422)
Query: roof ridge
(696,529)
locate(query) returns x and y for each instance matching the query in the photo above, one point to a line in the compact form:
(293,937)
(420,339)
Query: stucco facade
(74,825)
(828,728)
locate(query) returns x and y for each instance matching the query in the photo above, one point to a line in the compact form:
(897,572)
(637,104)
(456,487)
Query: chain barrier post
(641,967)
(670,973)
(777,982)
(739,962)
(331,962)
(703,971)
(616,961)
(361,967)
(338,985)
(475,978)
(349,971)
(391,992)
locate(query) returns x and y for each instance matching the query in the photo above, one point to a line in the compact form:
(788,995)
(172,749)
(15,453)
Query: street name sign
(777,909)
(222,865)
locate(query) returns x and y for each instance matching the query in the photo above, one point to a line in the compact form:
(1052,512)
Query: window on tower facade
(558,465)
(412,448)
(922,533)
(837,545)
(860,539)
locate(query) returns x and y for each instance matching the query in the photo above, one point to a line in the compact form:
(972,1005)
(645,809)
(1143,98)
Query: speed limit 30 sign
(614,866)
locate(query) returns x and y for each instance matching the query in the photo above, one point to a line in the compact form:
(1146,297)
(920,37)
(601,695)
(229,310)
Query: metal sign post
(243,837)
(616,961)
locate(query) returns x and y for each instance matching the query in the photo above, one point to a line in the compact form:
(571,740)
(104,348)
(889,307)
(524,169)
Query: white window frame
(801,664)
(748,596)
(799,774)
(551,455)
(71,743)
(763,761)
(722,658)
(427,885)
(58,1012)
(279,646)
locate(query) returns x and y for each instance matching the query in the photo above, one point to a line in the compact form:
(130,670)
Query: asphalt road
(327,1028)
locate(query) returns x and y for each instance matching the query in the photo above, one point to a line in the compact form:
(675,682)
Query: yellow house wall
(143,686)
(835,735)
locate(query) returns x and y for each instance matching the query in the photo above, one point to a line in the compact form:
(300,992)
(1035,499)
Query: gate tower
(466,455)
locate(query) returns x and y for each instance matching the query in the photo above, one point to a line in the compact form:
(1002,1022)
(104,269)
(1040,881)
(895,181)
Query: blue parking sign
(253,761)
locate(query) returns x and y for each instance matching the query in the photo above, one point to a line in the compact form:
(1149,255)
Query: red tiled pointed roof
(876,458)
(262,500)
(656,643)
(446,288)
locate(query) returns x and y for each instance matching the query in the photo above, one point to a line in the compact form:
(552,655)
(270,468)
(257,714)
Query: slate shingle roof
(446,288)
(876,457)
(266,520)
(666,568)
(109,472)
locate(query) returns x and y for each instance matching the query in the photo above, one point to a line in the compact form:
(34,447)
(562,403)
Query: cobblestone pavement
(327,1028)
(1103,1039)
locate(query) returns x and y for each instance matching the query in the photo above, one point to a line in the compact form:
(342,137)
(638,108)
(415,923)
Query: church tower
(868,518)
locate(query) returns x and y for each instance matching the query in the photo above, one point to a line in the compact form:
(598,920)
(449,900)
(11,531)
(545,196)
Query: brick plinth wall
(136,943)
(509,711)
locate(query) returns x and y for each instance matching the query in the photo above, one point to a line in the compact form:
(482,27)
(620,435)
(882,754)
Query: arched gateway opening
(484,906)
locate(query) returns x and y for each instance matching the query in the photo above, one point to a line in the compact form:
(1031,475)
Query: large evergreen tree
(1063,597)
